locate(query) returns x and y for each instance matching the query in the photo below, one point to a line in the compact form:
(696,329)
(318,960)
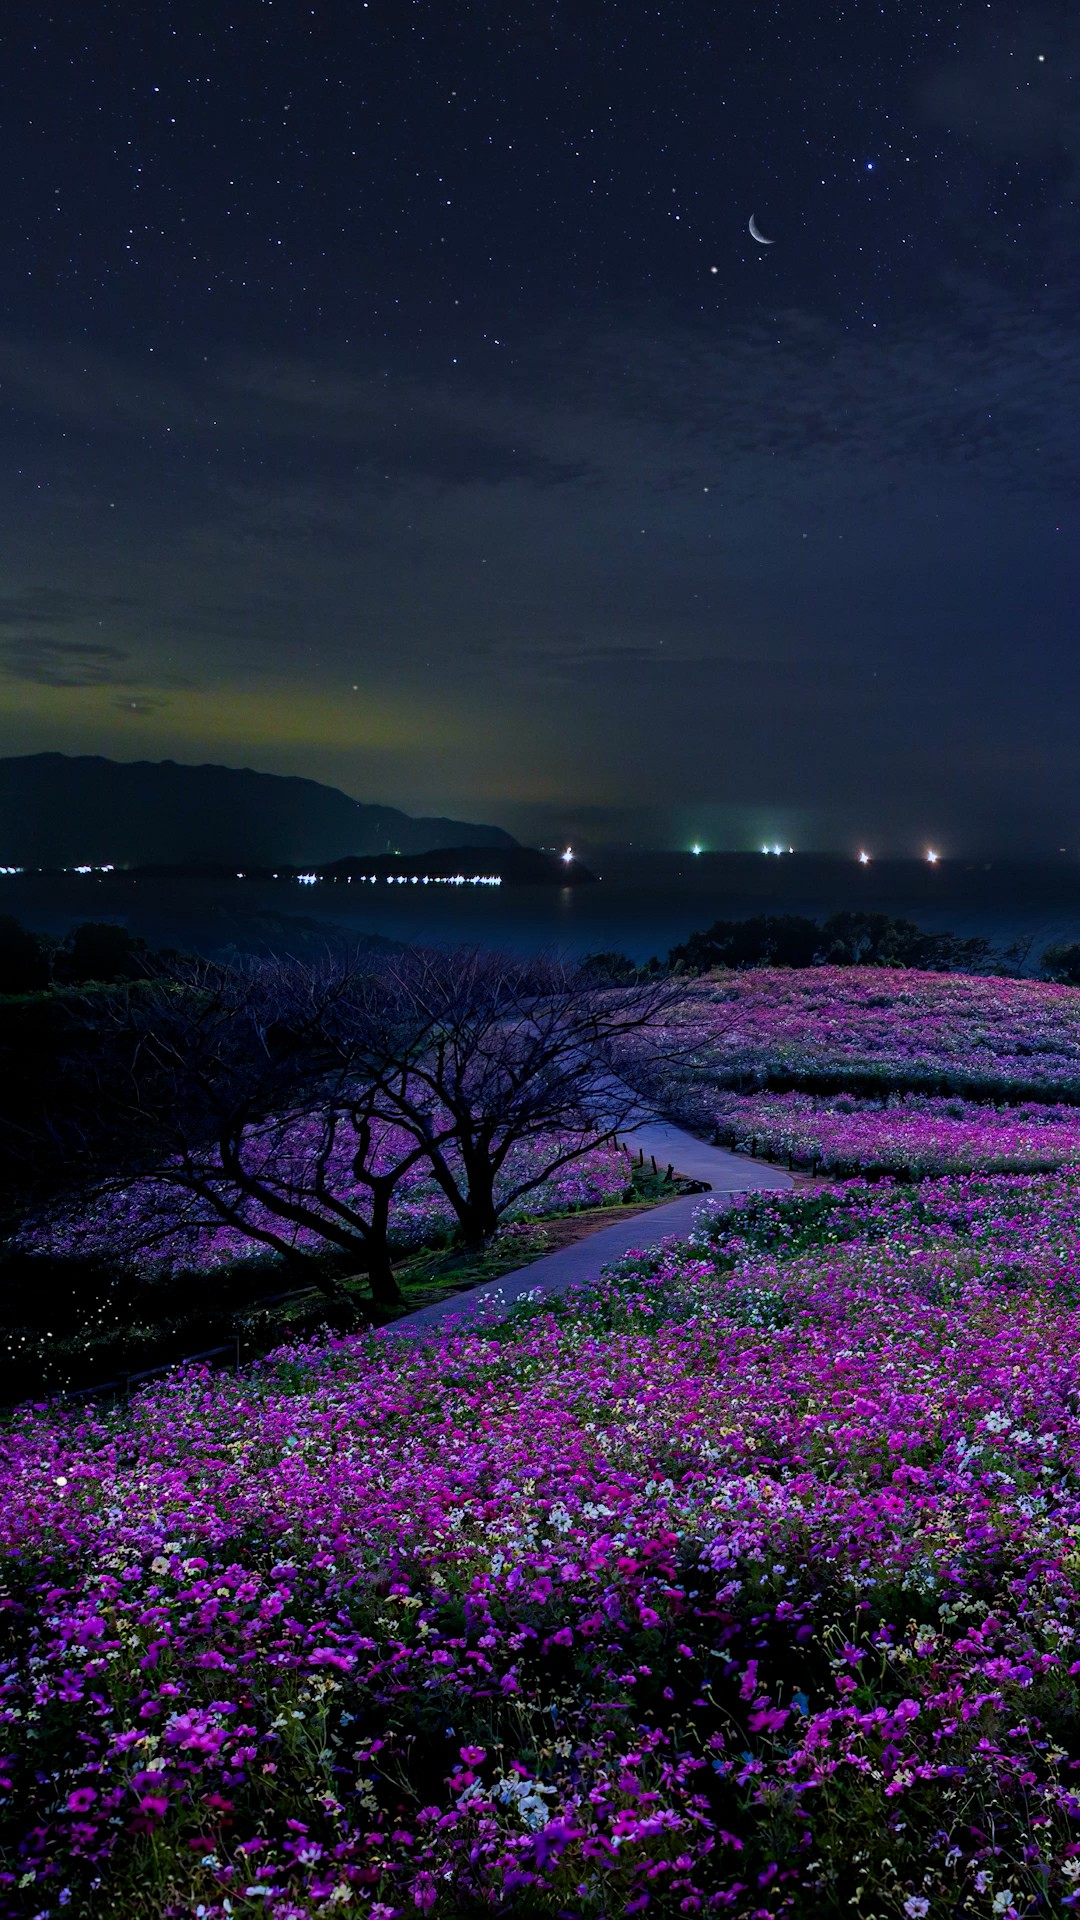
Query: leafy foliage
(846,939)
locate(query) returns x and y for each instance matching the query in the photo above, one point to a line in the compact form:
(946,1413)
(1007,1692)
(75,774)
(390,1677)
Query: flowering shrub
(747,1581)
(910,1134)
(166,1229)
(828,1026)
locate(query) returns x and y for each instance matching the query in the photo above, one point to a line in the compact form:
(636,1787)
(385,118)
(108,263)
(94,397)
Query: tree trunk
(473,1200)
(479,1219)
(385,1291)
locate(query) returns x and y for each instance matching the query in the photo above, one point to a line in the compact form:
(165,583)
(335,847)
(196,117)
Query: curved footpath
(727,1174)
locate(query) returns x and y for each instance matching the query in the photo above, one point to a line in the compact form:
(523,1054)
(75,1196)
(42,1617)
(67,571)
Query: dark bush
(845,940)
(101,952)
(1061,963)
(767,940)
(24,966)
(609,969)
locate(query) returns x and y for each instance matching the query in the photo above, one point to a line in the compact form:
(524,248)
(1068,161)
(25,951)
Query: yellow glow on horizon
(115,721)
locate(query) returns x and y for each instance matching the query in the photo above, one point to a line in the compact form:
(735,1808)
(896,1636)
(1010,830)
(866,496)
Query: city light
(933,857)
(696,849)
(864,859)
(409,879)
(568,855)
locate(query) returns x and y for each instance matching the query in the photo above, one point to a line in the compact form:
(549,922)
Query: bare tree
(475,1054)
(221,1086)
(291,1101)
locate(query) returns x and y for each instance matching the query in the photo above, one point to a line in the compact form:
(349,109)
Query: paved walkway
(727,1173)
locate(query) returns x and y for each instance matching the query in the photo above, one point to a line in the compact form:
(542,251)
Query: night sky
(393,393)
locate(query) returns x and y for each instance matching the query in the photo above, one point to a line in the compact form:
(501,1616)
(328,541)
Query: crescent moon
(758,235)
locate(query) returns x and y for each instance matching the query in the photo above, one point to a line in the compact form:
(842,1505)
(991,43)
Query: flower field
(166,1229)
(891,1027)
(911,1135)
(747,1582)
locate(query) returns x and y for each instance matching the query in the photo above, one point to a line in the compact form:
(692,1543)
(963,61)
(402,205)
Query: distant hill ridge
(59,810)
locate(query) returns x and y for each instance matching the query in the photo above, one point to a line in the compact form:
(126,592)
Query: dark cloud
(635,400)
(40,659)
(50,604)
(392,423)
(63,663)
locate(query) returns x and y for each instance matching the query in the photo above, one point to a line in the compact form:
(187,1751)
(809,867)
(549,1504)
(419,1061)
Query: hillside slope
(56,810)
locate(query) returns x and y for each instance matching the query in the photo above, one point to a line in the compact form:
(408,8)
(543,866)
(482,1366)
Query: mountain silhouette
(57,810)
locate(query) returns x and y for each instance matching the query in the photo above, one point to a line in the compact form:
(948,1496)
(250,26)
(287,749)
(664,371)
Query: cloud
(43,659)
(1009,88)
(51,605)
(978,382)
(444,428)
(63,663)
(384,423)
(641,403)
(92,388)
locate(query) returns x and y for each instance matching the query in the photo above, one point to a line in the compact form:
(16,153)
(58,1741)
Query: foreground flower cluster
(908,1134)
(748,1582)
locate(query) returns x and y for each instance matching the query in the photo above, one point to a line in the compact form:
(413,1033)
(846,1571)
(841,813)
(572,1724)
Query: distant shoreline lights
(409,879)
